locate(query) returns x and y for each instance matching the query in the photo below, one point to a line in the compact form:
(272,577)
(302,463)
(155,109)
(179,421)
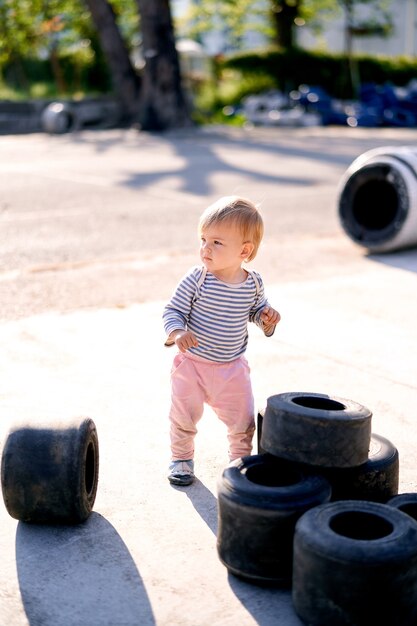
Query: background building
(402,40)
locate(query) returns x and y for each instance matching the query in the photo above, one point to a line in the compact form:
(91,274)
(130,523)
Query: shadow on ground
(79,575)
(268,605)
(404,259)
(201,160)
(204,503)
(201,163)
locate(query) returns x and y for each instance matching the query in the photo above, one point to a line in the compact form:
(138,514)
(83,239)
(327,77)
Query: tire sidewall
(304,488)
(342,580)
(256,522)
(315,529)
(84,479)
(316,436)
(376,480)
(43,472)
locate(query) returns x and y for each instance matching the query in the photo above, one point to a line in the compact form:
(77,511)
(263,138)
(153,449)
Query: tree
(230,18)
(163,104)
(377,23)
(32,27)
(16,29)
(240,16)
(236,18)
(39,29)
(361,18)
(156,100)
(126,82)
(284,18)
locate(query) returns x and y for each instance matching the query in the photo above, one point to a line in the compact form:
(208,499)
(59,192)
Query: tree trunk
(126,82)
(348,6)
(163,101)
(283,16)
(57,69)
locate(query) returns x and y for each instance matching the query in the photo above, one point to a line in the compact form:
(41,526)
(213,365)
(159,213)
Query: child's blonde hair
(241,212)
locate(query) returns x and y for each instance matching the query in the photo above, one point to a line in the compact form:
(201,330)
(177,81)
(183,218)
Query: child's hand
(185,340)
(269,317)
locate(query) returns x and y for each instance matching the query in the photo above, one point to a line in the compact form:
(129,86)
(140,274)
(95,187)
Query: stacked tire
(376,479)
(260,499)
(355,563)
(349,556)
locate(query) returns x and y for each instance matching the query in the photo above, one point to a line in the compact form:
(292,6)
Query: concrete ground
(147,554)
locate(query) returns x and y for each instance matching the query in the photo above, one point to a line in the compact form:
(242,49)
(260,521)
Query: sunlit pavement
(147,555)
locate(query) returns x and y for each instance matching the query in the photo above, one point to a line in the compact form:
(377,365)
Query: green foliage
(50,47)
(288,70)
(241,75)
(80,77)
(58,33)
(128,21)
(215,98)
(234,18)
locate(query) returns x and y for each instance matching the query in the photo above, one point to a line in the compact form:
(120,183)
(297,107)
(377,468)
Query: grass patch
(219,101)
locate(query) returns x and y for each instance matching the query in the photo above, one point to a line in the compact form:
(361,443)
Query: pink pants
(226,387)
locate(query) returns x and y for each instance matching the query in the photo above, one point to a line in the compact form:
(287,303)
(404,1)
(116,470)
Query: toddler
(207,320)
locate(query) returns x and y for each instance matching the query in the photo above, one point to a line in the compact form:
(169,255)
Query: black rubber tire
(355,564)
(316,429)
(405,502)
(376,480)
(49,474)
(259,423)
(260,499)
(377,199)
(58,118)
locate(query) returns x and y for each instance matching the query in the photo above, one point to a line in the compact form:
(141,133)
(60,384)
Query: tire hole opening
(410,508)
(323,404)
(360,525)
(272,475)
(375,204)
(90,469)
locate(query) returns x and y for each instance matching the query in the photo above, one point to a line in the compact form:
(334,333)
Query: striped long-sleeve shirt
(216,312)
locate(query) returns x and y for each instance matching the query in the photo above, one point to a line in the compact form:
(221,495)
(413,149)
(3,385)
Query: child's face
(222,247)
